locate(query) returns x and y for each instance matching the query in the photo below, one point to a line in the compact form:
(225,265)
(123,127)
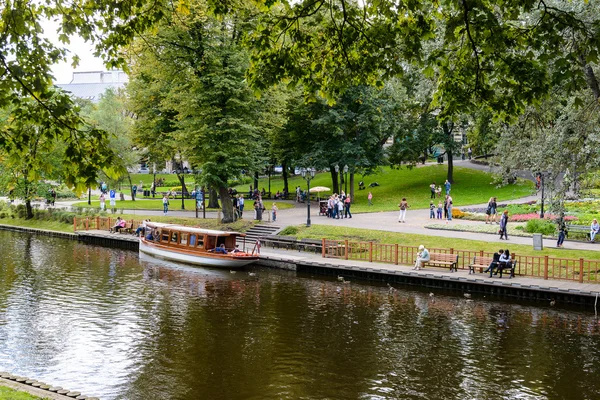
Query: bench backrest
(479,260)
(443,257)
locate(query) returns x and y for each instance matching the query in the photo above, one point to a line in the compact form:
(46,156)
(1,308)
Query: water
(106,323)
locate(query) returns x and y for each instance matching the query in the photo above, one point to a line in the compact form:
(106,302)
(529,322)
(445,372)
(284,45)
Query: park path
(383,221)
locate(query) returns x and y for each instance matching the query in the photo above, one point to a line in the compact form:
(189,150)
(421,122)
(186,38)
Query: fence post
(581,270)
(346,246)
(97,222)
(396,256)
(370,251)
(546,267)
(74,224)
(480,253)
(451,250)
(323,247)
(87,223)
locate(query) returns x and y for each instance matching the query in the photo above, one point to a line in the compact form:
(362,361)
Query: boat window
(174,237)
(165,236)
(201,242)
(192,240)
(184,239)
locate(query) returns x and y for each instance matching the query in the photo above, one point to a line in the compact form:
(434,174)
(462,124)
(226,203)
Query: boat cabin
(197,239)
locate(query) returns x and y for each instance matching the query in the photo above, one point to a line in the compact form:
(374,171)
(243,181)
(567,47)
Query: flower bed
(527,217)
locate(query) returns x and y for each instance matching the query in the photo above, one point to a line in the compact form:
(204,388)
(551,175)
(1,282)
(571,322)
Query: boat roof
(183,228)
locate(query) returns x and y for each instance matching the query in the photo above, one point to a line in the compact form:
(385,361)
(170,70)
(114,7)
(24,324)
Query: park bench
(484,262)
(127,229)
(437,259)
(579,229)
(279,241)
(313,244)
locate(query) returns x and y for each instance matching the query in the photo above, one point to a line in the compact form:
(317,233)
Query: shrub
(456,213)
(289,231)
(540,226)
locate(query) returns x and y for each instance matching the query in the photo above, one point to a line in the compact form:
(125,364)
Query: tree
(31,150)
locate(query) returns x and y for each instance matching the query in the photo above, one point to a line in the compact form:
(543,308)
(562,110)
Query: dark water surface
(108,324)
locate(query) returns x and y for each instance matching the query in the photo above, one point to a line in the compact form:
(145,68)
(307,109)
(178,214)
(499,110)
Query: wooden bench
(313,244)
(579,229)
(437,259)
(480,262)
(127,229)
(279,241)
(484,262)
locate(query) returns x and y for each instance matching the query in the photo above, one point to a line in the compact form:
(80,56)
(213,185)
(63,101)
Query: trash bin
(538,243)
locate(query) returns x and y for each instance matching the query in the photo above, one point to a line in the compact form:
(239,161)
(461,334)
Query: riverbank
(14,387)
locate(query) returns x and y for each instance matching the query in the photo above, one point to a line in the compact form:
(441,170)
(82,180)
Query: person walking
(165,202)
(494,210)
(440,210)
(340,206)
(449,207)
(431,210)
(470,153)
(446,207)
(370,198)
(562,232)
(432,188)
(488,211)
(447,186)
(102,202)
(347,203)
(241,205)
(274,210)
(504,225)
(403,207)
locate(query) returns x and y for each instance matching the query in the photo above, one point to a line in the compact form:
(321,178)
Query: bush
(540,226)
(289,231)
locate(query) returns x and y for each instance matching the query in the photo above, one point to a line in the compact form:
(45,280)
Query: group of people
(500,261)
(437,190)
(338,206)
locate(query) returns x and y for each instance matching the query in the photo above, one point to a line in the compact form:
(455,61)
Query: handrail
(543,267)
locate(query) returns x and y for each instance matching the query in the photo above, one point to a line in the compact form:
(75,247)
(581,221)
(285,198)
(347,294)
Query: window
(174,237)
(192,240)
(165,236)
(184,239)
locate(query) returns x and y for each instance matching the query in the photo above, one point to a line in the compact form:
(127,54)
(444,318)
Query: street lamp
(337,171)
(346,179)
(308,175)
(542,186)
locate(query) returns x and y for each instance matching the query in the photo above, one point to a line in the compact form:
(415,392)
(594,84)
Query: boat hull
(208,260)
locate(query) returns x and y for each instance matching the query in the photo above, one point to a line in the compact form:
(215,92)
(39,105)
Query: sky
(63,72)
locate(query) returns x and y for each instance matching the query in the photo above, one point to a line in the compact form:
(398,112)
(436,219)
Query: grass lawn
(356,234)
(147,179)
(174,204)
(12,394)
(470,187)
(212,223)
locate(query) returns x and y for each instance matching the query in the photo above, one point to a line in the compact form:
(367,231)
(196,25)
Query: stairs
(257,231)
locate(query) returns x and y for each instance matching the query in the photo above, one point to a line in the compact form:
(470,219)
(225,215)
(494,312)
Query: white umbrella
(319,189)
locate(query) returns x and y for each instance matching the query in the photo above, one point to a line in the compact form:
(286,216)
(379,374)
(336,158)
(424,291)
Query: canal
(109,324)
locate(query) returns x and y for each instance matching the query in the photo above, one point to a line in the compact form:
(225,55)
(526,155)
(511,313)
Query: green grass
(366,235)
(147,179)
(174,204)
(7,393)
(470,187)
(212,223)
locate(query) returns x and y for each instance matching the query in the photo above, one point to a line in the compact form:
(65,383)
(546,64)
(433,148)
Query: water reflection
(109,324)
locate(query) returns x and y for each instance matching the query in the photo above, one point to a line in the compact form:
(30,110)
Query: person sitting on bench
(505,262)
(422,257)
(120,224)
(221,249)
(494,263)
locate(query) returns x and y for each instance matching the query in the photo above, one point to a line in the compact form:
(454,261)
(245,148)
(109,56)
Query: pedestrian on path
(504,225)
(439,210)
(431,210)
(165,201)
(241,205)
(347,203)
(562,232)
(494,210)
(432,188)
(449,207)
(370,198)
(274,210)
(403,207)
(102,202)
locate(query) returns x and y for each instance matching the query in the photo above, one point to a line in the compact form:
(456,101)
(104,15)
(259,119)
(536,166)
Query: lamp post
(542,185)
(337,171)
(346,179)
(308,175)
(269,171)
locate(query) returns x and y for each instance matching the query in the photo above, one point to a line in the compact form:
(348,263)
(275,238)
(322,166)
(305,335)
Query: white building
(90,85)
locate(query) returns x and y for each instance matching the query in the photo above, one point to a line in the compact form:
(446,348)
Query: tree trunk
(28,209)
(284,175)
(334,180)
(130,186)
(450,176)
(352,187)
(213,201)
(227,205)
(255,180)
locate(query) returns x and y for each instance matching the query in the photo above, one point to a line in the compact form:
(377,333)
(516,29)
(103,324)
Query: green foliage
(12,394)
(540,226)
(289,231)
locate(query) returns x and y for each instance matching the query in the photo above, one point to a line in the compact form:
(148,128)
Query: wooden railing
(99,223)
(544,267)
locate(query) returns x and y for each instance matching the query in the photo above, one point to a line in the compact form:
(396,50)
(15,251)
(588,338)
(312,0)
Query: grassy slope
(355,234)
(470,187)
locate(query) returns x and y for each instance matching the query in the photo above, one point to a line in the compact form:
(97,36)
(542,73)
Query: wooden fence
(533,266)
(99,223)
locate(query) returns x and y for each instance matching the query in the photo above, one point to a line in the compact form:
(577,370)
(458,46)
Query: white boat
(194,245)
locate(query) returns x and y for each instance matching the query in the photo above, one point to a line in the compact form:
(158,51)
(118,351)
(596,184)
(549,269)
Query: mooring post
(546,267)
